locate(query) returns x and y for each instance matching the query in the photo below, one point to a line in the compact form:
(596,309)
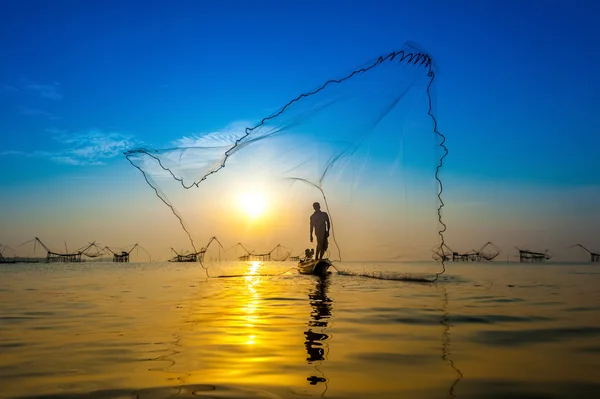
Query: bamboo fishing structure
(488,251)
(192,257)
(14,258)
(526,255)
(66,257)
(2,258)
(195,256)
(268,256)
(5,260)
(123,256)
(238,245)
(594,257)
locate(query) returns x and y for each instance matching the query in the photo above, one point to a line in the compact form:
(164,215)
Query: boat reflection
(316,336)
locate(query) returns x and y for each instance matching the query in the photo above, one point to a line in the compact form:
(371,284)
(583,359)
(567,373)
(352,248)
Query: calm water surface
(163,330)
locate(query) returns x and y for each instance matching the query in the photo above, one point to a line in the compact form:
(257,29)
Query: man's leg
(324,246)
(320,251)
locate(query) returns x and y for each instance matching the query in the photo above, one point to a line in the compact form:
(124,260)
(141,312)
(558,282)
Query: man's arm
(312,227)
(327,224)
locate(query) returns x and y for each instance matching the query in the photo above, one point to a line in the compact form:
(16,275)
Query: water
(163,330)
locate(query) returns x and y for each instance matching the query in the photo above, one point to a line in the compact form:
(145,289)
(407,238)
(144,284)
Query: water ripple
(534,336)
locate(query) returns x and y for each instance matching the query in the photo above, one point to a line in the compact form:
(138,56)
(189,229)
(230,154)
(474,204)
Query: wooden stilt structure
(14,259)
(196,256)
(594,257)
(526,255)
(193,257)
(123,256)
(57,257)
(267,257)
(2,258)
(483,254)
(234,256)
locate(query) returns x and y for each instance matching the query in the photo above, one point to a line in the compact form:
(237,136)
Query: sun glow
(253,204)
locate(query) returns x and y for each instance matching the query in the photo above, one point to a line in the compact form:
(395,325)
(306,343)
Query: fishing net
(364,144)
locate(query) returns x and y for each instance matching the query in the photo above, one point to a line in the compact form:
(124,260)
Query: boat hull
(317,267)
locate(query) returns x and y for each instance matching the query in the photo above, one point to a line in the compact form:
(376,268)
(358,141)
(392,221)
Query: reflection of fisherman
(316,335)
(319,222)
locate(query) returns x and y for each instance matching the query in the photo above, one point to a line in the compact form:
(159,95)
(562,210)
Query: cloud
(36,112)
(216,139)
(11,152)
(91,148)
(49,91)
(71,161)
(223,138)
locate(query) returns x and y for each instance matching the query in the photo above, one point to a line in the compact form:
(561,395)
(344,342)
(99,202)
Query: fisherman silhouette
(319,222)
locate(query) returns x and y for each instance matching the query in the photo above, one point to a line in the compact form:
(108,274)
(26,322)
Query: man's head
(317,206)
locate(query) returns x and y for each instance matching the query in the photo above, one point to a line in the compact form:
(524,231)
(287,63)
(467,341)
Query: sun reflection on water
(253,267)
(252,283)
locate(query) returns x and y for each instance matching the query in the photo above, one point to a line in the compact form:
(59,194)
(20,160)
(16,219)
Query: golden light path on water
(250,309)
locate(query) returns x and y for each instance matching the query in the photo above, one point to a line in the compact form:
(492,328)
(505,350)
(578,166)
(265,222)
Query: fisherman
(319,222)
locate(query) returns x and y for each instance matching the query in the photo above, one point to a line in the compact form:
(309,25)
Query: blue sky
(516,91)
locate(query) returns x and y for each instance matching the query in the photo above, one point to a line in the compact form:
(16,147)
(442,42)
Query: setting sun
(253,204)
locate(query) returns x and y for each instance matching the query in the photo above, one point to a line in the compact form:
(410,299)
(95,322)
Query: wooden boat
(317,267)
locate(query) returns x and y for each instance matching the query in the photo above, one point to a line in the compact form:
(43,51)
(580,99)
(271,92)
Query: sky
(515,93)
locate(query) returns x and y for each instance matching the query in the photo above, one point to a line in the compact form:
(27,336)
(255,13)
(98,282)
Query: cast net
(364,144)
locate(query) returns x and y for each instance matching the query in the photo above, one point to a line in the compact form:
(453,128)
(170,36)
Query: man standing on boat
(319,222)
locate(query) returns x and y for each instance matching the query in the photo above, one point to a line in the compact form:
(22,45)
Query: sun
(253,204)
